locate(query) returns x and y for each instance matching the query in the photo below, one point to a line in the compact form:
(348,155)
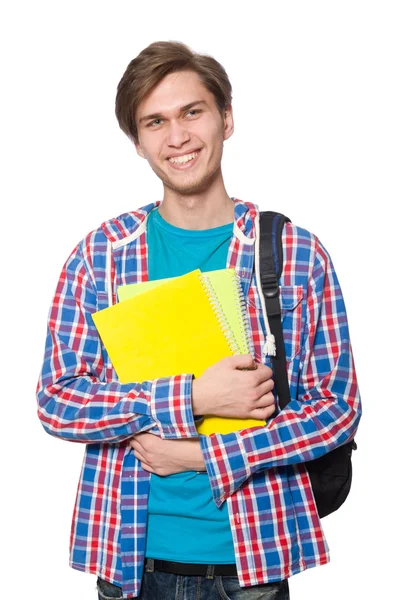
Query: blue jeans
(167,586)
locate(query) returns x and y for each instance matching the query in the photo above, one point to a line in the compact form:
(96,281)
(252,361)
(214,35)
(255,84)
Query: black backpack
(331,474)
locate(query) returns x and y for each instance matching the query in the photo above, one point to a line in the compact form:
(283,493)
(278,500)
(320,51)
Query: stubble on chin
(194,186)
(189,188)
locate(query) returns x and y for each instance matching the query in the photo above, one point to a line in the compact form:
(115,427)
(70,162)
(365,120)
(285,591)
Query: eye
(194,110)
(154,122)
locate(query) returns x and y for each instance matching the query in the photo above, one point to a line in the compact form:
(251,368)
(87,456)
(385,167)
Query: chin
(194,187)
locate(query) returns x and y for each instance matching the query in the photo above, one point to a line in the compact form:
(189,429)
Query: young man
(160,511)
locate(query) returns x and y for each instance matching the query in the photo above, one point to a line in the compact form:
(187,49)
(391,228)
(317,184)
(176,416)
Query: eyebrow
(182,109)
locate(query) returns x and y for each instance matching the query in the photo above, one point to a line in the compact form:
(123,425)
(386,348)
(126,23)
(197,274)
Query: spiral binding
(244,321)
(220,315)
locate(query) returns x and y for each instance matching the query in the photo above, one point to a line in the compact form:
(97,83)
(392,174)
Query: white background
(314,95)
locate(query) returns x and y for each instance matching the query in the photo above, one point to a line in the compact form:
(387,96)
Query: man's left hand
(166,457)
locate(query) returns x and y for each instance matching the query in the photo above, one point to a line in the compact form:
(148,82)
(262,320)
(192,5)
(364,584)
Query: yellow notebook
(226,293)
(171,329)
(224,286)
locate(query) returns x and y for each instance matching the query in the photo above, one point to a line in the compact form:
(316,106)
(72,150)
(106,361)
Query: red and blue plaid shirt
(259,472)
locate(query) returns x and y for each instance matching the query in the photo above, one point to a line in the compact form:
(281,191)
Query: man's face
(179,121)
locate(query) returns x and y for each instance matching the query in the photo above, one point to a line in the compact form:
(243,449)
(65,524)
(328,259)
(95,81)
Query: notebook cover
(222,282)
(168,330)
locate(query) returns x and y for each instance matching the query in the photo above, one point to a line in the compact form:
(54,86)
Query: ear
(228,122)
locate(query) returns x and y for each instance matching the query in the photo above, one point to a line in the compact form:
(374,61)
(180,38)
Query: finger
(139,456)
(264,387)
(241,361)
(147,467)
(136,445)
(143,438)
(265,401)
(262,373)
(263,414)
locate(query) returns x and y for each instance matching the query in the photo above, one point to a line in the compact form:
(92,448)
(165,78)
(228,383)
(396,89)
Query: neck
(206,210)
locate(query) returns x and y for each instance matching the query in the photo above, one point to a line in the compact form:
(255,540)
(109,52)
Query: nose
(178,134)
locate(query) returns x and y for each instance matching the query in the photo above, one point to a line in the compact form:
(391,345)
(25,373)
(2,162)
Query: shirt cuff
(171,406)
(226,464)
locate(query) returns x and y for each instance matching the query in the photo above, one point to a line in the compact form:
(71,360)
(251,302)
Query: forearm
(84,409)
(194,461)
(301,432)
(79,397)
(326,410)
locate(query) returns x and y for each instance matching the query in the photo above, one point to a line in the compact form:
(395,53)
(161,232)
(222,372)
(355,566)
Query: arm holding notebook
(243,389)
(326,409)
(240,393)
(78,397)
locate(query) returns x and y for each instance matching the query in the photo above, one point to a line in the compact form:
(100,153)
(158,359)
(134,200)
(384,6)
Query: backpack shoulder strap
(271,267)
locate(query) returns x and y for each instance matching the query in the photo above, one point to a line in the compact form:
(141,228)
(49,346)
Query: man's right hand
(225,390)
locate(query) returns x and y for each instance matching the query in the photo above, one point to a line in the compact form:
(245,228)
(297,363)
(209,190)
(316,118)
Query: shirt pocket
(291,317)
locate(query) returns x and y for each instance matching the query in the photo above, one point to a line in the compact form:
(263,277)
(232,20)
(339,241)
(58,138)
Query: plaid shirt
(259,472)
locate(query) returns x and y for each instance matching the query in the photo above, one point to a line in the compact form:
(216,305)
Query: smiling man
(162,512)
(184,143)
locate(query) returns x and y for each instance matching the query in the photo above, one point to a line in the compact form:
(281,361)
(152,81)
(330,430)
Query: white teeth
(183,159)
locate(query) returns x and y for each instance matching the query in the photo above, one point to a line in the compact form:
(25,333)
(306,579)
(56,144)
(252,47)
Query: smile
(185,161)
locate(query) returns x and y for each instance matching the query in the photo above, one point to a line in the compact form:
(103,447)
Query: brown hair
(155,62)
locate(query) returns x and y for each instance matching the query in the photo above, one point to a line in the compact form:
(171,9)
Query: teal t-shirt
(184,524)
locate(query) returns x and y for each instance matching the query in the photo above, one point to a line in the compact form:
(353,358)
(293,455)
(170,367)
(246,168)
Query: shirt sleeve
(78,397)
(327,408)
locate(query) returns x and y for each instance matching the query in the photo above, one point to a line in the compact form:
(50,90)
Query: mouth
(181,163)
